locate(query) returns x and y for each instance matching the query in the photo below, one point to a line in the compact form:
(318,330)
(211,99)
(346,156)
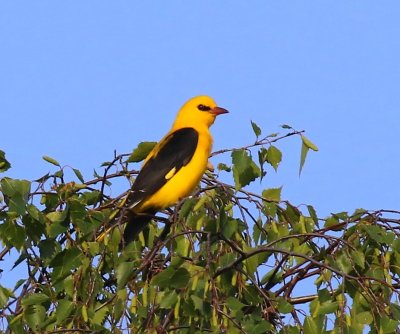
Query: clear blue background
(80,79)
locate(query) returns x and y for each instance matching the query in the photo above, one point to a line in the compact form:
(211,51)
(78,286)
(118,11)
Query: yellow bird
(174,167)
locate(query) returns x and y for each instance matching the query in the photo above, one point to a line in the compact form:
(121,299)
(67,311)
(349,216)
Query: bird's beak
(218,111)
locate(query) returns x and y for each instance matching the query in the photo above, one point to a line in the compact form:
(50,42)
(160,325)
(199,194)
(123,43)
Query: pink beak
(218,111)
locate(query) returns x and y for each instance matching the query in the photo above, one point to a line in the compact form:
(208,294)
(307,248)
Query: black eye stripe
(202,107)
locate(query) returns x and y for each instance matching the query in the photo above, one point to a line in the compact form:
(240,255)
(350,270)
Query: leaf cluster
(225,260)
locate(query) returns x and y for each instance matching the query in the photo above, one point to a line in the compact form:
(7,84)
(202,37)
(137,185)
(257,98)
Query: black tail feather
(135,224)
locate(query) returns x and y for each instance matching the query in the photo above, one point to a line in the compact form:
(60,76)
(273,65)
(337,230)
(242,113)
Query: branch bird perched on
(174,167)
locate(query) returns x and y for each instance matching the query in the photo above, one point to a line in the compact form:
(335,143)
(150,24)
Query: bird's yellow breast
(185,180)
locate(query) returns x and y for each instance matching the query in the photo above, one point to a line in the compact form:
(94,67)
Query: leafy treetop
(225,260)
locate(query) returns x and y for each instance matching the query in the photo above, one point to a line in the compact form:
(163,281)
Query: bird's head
(199,110)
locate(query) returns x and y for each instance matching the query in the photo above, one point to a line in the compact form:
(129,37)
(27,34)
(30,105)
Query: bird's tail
(135,224)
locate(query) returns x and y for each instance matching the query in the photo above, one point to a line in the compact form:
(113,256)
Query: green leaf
(359,258)
(324,295)
(341,215)
(163,279)
(229,227)
(224,167)
(16,325)
(105,164)
(96,175)
(17,193)
(99,316)
(303,155)
(255,325)
(35,298)
(91,197)
(388,326)
(182,246)
(84,312)
(306,145)
(124,272)
(118,308)
(272,277)
(50,200)
(35,316)
(35,213)
(20,260)
(256,129)
(187,207)
(327,307)
(262,157)
(226,259)
(19,283)
(5,294)
(285,126)
(180,278)
(272,194)
(252,262)
(395,310)
(364,318)
(169,300)
(245,170)
(274,157)
(142,151)
(257,232)
(307,142)
(284,307)
(78,175)
(343,262)
(51,160)
(48,248)
(12,234)
(59,173)
(311,326)
(64,309)
(93,248)
(4,164)
(234,304)
(313,214)
(66,261)
(379,234)
(198,303)
(331,221)
(58,223)
(262,328)
(77,215)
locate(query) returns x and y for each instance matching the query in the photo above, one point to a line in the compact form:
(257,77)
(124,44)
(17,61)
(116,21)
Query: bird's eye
(202,107)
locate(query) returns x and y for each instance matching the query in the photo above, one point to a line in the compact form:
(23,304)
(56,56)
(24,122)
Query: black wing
(176,152)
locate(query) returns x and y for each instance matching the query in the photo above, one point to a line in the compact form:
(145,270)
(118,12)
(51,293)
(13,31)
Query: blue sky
(80,79)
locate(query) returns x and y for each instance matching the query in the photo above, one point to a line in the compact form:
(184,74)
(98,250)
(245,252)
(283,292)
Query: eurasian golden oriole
(174,167)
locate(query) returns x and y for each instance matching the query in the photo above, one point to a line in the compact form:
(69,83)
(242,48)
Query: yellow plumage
(174,167)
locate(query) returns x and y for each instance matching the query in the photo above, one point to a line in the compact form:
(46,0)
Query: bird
(174,167)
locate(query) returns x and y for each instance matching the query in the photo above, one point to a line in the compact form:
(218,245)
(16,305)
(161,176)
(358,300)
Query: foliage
(225,260)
